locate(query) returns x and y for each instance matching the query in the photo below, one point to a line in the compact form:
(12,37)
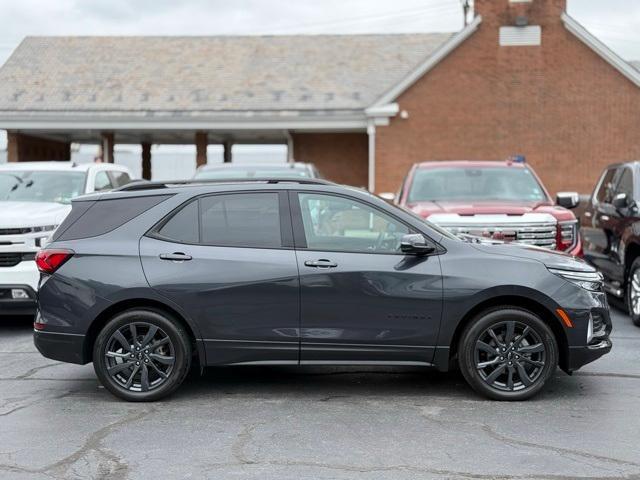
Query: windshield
(491,183)
(40,186)
(251,172)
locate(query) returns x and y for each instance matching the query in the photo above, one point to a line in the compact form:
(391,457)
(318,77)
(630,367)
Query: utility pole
(466,6)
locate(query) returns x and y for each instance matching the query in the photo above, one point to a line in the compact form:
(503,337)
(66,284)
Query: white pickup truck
(34,199)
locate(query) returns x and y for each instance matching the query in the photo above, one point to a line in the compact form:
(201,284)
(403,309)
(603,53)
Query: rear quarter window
(103,216)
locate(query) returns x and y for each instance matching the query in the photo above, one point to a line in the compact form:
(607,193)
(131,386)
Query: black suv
(610,227)
(147,280)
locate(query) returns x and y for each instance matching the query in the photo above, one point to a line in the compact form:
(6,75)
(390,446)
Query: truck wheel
(633,292)
(142,355)
(507,353)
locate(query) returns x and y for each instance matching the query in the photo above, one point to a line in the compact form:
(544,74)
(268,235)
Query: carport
(317,95)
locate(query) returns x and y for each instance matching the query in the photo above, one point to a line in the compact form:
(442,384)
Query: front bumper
(25,276)
(10,306)
(590,343)
(64,347)
(580,356)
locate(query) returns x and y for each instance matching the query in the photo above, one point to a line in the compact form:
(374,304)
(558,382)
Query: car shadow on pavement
(16,324)
(333,383)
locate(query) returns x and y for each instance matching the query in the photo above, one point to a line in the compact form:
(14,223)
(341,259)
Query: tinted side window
(605,187)
(102,182)
(343,224)
(120,179)
(182,227)
(241,219)
(106,215)
(625,184)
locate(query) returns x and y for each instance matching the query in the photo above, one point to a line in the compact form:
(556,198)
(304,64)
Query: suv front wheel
(142,355)
(507,354)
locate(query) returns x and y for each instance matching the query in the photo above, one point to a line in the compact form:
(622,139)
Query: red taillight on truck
(567,235)
(50,260)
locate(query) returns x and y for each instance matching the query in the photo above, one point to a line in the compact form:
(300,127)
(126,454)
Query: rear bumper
(64,347)
(580,356)
(17,306)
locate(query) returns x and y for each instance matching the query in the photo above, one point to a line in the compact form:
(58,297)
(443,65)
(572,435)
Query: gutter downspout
(371,133)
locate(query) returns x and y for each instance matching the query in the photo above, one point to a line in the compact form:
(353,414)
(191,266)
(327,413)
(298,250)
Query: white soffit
(529,36)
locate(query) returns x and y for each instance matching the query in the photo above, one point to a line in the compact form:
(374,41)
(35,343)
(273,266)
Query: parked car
(232,171)
(611,232)
(34,198)
(146,280)
(501,200)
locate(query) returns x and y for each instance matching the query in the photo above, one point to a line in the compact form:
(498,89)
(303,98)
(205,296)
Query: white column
(290,157)
(371,132)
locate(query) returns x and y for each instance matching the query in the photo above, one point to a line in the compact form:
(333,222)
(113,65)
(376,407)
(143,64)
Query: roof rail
(147,185)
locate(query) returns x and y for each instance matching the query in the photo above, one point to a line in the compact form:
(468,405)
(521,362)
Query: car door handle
(322,263)
(175,256)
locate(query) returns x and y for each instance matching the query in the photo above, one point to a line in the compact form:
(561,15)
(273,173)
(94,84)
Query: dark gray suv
(148,280)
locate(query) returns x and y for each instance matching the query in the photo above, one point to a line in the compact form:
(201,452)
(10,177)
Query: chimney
(520,12)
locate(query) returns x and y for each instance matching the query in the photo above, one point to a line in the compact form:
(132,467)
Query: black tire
(155,371)
(631,290)
(521,370)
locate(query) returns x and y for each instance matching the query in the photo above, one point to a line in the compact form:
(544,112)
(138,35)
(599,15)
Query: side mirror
(568,199)
(621,201)
(388,196)
(415,244)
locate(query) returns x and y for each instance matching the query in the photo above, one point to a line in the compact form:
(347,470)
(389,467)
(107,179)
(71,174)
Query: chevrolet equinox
(153,278)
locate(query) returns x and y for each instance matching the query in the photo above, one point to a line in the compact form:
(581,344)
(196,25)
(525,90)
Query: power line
(440,8)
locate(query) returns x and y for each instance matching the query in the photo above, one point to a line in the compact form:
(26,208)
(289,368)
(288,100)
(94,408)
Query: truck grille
(10,259)
(528,229)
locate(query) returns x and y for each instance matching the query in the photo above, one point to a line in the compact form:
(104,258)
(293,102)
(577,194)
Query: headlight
(591,281)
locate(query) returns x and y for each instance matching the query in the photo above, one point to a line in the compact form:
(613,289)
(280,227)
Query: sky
(615,22)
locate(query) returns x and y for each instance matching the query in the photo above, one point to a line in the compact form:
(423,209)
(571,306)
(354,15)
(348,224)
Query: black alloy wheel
(142,355)
(507,354)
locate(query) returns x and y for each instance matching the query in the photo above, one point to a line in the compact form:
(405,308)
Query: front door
(362,300)
(227,260)
(596,226)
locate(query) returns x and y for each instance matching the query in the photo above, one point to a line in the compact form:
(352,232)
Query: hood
(32,214)
(473,207)
(550,258)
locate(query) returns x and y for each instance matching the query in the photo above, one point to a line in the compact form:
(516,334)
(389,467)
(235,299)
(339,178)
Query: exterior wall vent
(520,36)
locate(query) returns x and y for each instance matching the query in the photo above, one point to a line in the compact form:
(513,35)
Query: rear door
(362,300)
(227,260)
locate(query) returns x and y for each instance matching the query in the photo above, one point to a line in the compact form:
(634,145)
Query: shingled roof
(208,74)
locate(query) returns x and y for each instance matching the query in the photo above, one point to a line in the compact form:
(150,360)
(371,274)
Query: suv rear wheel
(633,292)
(142,355)
(507,354)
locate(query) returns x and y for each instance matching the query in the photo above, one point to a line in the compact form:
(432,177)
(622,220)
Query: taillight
(567,235)
(50,260)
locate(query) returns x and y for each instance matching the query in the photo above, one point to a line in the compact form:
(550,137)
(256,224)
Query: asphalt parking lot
(56,421)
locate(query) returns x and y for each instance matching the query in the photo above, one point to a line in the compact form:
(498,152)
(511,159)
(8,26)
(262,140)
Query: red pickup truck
(499,200)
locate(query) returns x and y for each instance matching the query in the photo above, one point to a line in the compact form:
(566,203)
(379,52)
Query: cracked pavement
(57,422)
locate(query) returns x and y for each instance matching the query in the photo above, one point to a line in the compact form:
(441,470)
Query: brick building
(522,78)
